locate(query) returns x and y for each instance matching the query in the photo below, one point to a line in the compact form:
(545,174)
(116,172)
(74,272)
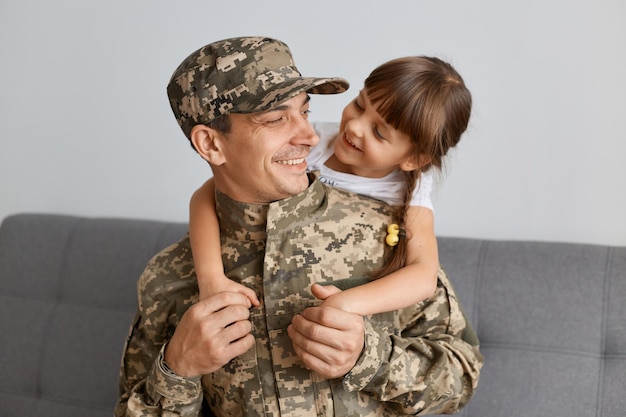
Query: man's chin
(297,184)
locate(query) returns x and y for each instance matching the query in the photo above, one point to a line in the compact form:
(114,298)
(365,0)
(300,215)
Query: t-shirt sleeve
(423,190)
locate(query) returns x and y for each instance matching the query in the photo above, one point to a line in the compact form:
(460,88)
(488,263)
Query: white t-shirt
(389,189)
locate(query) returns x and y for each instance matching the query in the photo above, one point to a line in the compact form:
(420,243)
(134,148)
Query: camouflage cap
(239,75)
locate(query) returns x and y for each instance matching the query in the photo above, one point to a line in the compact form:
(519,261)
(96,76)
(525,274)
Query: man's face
(264,153)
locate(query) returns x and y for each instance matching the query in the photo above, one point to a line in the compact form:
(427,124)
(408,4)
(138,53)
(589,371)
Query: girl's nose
(355,127)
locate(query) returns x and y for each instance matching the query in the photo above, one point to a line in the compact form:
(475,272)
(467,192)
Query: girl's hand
(220,283)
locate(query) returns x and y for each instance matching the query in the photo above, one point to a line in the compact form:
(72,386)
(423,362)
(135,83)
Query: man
(244,106)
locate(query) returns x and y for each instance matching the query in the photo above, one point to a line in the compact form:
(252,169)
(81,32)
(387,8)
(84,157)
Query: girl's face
(369,147)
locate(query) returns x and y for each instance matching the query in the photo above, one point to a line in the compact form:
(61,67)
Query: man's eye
(275,121)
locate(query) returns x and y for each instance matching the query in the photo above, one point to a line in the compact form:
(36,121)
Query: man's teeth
(291,161)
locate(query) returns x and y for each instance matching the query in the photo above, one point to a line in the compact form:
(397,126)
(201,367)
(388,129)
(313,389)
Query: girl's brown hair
(425,98)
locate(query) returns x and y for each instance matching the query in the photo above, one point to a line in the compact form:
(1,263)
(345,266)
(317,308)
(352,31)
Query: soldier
(243,105)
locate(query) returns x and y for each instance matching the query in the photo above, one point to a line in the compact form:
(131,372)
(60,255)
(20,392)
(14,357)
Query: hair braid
(397,257)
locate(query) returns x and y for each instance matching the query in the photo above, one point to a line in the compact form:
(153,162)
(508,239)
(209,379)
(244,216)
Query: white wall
(85,126)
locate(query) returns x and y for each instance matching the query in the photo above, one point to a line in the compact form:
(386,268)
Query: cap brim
(291,88)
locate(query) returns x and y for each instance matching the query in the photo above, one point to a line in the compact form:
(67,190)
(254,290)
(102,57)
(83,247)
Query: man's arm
(146,386)
(430,364)
(168,309)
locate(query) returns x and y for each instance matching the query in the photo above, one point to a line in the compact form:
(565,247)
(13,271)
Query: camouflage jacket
(423,359)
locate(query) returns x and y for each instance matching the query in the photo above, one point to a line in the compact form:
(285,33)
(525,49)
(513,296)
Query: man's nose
(306,133)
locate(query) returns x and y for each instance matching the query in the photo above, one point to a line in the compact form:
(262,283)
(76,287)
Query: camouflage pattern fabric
(239,75)
(423,359)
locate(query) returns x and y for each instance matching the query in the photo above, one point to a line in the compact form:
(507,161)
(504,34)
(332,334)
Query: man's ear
(208,143)
(413,162)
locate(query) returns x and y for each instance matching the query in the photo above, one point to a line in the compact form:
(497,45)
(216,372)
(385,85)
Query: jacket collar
(244,221)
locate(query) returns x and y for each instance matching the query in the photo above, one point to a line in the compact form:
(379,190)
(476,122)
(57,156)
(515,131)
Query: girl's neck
(336,165)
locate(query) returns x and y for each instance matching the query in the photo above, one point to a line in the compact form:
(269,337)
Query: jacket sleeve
(429,364)
(146,386)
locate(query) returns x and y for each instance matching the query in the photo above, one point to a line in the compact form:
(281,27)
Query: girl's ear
(208,143)
(413,162)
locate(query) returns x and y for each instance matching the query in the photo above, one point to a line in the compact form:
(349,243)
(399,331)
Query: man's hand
(328,340)
(210,334)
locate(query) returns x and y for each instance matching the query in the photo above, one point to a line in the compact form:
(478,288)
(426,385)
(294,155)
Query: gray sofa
(551,317)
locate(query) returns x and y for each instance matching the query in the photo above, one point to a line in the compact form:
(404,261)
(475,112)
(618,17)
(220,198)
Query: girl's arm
(204,235)
(415,282)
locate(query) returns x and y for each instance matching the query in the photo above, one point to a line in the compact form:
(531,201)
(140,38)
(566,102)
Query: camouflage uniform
(423,359)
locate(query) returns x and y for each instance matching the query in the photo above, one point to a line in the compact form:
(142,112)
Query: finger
(318,357)
(249,292)
(332,317)
(329,342)
(221,333)
(231,314)
(311,362)
(221,349)
(306,348)
(242,345)
(217,302)
(316,338)
(325,291)
(236,331)
(240,288)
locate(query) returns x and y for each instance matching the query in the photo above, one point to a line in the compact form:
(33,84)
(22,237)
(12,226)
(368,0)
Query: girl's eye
(378,134)
(357,105)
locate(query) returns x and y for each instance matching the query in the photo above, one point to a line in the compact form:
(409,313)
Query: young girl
(410,112)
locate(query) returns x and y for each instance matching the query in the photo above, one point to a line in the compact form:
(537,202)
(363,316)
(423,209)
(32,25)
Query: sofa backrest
(551,317)
(551,320)
(67,297)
